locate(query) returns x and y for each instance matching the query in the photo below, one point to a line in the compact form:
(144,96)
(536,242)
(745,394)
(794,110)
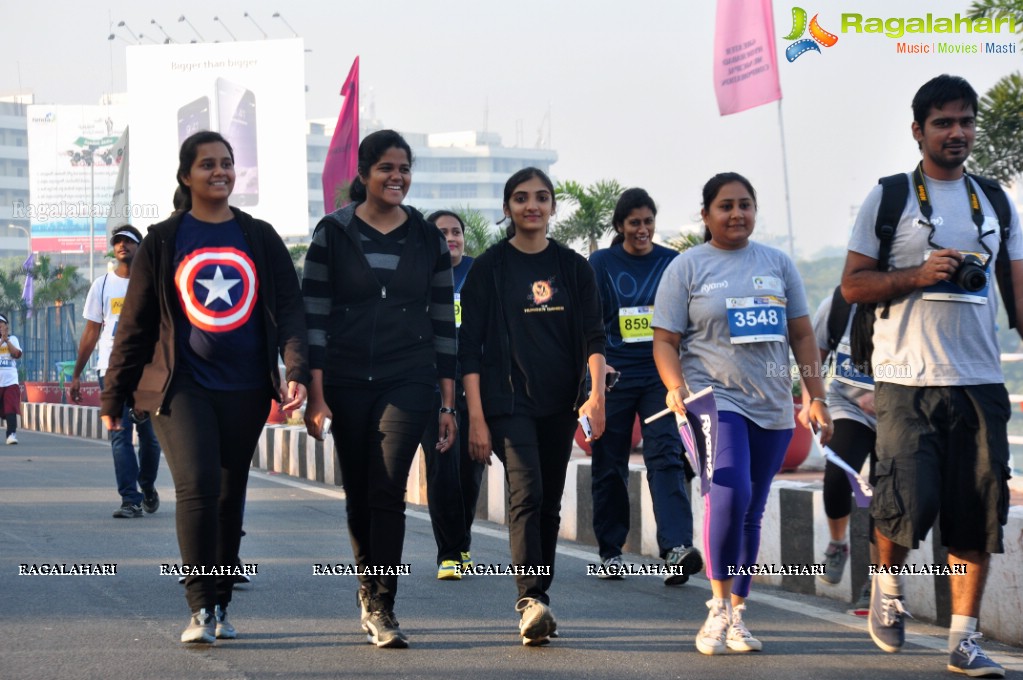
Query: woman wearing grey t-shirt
(725,316)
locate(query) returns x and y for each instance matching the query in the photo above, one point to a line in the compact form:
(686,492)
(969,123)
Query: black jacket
(143,358)
(484,344)
(360,330)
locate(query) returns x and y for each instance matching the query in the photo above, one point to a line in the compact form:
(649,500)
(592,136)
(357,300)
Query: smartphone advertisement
(250,92)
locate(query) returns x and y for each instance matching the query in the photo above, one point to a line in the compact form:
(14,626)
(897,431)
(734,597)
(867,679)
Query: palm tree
(998,152)
(594,206)
(479,232)
(685,240)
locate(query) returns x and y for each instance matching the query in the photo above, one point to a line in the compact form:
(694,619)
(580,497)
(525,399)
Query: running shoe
(613,569)
(201,628)
(224,630)
(862,605)
(536,621)
(682,561)
(835,558)
(128,510)
(467,562)
(449,570)
(12,439)
(150,500)
(383,630)
(362,599)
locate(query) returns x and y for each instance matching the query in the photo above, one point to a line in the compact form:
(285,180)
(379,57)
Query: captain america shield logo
(217,288)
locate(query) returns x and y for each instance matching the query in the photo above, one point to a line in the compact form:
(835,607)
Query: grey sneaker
(128,510)
(383,631)
(682,561)
(835,558)
(612,569)
(201,628)
(225,631)
(150,500)
(969,659)
(862,605)
(885,619)
(536,621)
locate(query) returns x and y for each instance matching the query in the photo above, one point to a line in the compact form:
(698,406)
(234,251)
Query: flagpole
(785,175)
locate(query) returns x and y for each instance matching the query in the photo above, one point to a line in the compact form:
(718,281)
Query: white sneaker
(536,621)
(12,439)
(739,637)
(711,638)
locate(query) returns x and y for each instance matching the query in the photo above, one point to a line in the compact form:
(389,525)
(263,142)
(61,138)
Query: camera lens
(971,276)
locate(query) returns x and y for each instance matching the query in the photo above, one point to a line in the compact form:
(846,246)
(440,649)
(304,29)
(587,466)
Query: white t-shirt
(843,393)
(8,364)
(732,309)
(937,342)
(103,305)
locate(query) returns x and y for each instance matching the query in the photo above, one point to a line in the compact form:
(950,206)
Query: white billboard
(253,93)
(73,162)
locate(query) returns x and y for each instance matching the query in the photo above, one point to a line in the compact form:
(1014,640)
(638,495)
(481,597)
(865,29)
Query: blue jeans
(133,472)
(665,471)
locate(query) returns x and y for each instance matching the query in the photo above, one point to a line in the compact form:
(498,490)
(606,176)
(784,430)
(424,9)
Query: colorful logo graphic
(542,291)
(217,288)
(818,35)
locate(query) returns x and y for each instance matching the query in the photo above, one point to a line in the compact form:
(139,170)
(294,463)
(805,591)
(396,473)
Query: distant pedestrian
(10,389)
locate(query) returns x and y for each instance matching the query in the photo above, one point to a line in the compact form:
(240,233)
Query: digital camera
(971,275)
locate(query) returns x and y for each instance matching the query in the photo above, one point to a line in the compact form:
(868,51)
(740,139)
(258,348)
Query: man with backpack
(942,407)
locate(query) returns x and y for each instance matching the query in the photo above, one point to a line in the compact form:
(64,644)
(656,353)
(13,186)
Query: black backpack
(894,192)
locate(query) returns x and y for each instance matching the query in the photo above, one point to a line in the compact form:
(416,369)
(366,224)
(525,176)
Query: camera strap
(926,209)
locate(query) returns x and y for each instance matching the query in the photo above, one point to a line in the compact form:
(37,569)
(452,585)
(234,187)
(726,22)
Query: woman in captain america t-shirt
(212,301)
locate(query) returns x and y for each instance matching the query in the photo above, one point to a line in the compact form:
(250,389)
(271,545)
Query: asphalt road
(56,498)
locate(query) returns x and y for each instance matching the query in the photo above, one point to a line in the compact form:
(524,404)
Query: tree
(685,240)
(479,233)
(56,284)
(594,206)
(998,152)
(297,253)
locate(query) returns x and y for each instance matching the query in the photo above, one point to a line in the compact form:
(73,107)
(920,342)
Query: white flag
(120,207)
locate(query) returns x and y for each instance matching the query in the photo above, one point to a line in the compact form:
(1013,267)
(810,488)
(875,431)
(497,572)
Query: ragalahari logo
(818,35)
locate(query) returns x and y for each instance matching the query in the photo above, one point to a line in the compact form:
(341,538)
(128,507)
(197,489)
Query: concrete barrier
(794,527)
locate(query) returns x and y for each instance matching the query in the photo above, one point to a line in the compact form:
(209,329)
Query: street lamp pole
(28,236)
(92,212)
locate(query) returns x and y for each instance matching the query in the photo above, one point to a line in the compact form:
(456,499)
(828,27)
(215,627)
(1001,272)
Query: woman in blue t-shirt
(212,302)
(628,273)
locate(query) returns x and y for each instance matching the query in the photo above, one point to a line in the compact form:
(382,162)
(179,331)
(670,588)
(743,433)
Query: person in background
(380,307)
(10,389)
(628,273)
(851,401)
(531,330)
(731,309)
(453,479)
(135,474)
(213,302)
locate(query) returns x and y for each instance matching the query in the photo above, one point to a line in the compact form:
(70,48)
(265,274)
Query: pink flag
(745,62)
(340,167)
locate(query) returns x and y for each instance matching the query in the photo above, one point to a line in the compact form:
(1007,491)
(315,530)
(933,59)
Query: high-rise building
(452,169)
(14,222)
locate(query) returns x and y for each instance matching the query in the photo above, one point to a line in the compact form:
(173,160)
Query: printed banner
(745,63)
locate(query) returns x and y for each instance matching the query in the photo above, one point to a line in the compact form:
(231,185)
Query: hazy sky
(629,85)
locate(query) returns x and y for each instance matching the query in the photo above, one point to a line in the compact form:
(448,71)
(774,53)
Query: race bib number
(947,291)
(634,324)
(6,362)
(846,373)
(756,319)
(458,310)
(116,304)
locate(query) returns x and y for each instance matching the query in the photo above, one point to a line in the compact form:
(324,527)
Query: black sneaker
(240,577)
(150,500)
(682,561)
(383,631)
(128,510)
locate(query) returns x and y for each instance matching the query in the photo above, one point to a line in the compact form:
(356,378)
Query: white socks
(960,627)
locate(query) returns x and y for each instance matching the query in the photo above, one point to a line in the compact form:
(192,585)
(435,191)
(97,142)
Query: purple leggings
(747,459)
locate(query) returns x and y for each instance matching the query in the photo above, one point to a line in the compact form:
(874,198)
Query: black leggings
(377,428)
(853,442)
(208,438)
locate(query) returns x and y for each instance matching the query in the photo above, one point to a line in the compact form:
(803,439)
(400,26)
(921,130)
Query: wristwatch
(447,409)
